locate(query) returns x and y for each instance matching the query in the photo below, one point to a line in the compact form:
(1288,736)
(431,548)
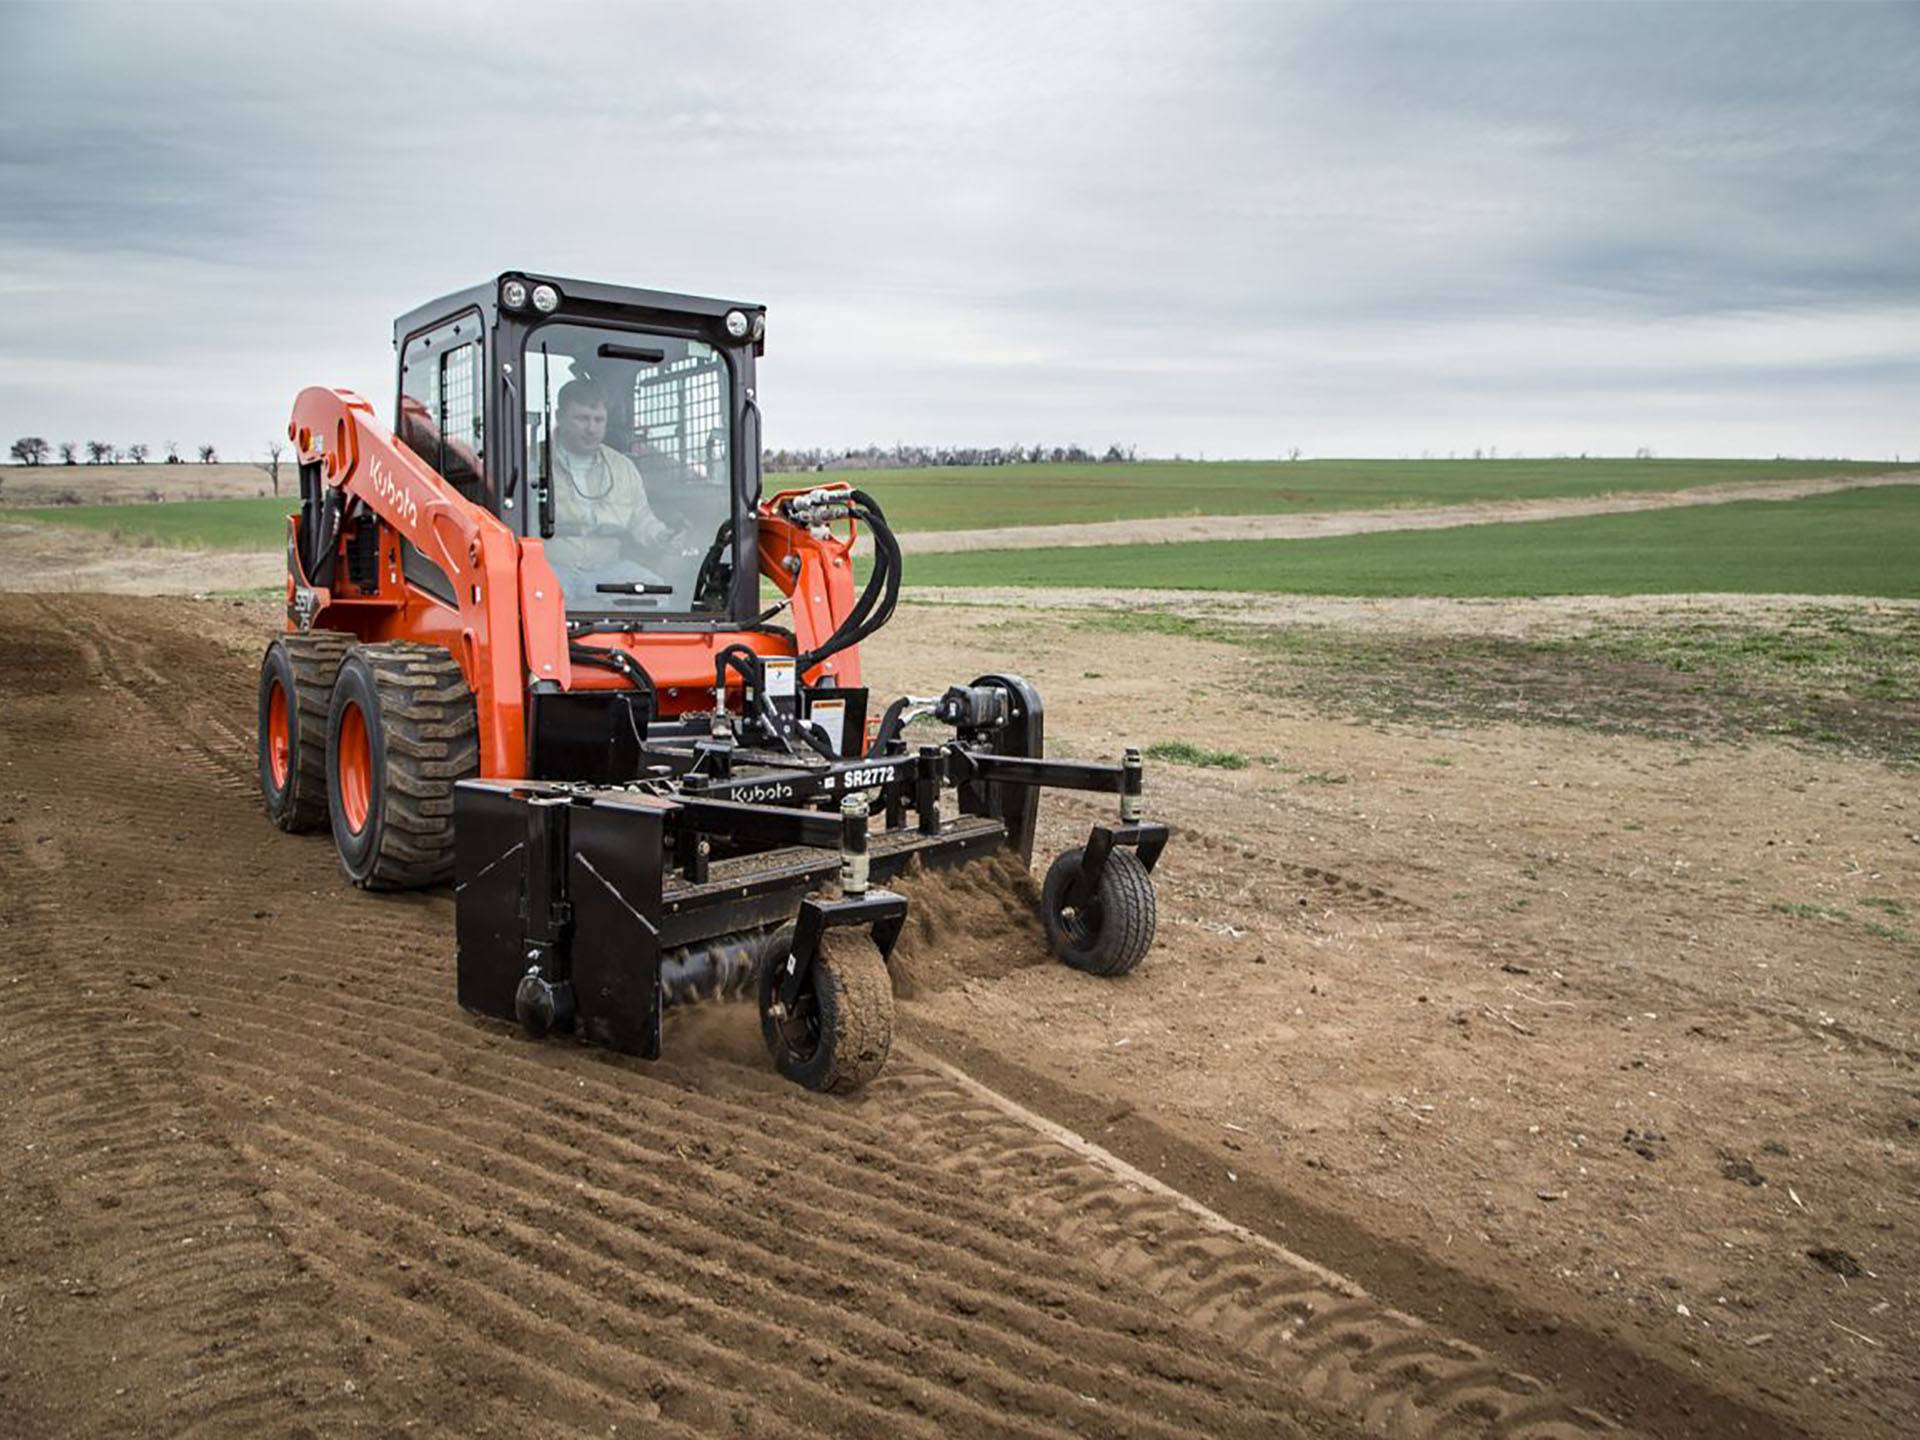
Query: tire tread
(314,658)
(854,991)
(1129,913)
(860,997)
(430,734)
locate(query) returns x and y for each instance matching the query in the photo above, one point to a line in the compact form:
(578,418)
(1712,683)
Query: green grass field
(1060,494)
(1862,542)
(970,499)
(196,524)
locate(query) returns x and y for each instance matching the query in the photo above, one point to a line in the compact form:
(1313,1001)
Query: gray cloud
(1234,228)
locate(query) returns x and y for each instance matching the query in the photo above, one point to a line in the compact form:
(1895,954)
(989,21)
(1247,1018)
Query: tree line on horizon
(927,457)
(36,450)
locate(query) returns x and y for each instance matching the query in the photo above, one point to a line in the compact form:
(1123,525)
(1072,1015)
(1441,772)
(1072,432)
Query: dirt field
(1497,1072)
(54,559)
(22,485)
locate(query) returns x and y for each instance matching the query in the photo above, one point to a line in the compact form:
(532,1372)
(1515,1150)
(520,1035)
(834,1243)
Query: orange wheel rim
(279,737)
(356,768)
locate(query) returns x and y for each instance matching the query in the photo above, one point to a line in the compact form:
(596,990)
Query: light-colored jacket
(600,508)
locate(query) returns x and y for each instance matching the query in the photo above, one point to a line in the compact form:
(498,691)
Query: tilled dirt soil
(1496,1096)
(57,560)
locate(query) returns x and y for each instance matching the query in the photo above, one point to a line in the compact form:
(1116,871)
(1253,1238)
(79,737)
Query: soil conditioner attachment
(735,870)
(527,651)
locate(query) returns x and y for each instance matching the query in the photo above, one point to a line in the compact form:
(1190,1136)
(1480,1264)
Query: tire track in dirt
(219,745)
(158,1221)
(1327,886)
(1277,881)
(1338,1344)
(522,1184)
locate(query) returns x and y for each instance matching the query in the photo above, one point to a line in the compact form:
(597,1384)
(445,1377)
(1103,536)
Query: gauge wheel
(836,1034)
(1113,931)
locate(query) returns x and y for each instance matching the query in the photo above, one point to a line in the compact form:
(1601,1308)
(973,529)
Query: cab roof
(486,297)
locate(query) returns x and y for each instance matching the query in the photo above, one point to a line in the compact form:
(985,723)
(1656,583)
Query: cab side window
(441,417)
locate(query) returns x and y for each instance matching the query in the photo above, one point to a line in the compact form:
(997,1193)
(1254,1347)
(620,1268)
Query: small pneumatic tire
(401,733)
(296,688)
(837,1036)
(1112,933)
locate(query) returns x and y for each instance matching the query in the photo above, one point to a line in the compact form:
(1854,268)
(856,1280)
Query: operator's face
(582,428)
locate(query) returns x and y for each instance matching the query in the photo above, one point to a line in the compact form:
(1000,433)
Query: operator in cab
(603,524)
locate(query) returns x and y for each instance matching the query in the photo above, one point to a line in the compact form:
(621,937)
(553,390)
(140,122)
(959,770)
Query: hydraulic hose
(882,593)
(890,726)
(621,663)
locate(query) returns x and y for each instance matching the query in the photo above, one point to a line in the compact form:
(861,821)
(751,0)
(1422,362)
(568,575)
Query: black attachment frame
(572,897)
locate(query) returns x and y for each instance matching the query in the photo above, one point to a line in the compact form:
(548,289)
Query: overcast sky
(1235,228)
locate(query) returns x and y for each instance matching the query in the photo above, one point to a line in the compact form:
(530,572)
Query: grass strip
(1860,542)
(1182,752)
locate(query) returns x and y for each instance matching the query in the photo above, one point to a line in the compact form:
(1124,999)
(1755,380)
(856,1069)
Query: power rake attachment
(744,861)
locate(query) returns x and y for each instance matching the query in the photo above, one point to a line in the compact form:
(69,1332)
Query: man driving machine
(603,523)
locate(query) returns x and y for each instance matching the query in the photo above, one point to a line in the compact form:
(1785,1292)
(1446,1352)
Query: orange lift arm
(508,619)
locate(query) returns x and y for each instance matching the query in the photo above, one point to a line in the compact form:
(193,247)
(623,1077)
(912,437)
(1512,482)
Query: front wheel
(401,733)
(1113,931)
(836,1034)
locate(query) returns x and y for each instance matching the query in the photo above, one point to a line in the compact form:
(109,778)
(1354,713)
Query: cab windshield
(629,433)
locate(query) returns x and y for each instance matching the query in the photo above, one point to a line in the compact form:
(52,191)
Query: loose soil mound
(980,922)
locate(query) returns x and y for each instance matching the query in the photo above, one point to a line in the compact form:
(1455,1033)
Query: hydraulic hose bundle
(621,663)
(882,593)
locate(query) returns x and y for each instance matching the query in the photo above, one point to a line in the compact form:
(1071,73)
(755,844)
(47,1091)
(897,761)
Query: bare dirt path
(131,484)
(1169,529)
(55,559)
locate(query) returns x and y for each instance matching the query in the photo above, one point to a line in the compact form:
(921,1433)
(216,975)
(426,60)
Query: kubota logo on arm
(396,495)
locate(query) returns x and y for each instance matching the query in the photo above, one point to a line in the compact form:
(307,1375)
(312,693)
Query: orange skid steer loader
(531,649)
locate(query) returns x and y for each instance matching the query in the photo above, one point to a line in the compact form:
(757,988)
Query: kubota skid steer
(528,650)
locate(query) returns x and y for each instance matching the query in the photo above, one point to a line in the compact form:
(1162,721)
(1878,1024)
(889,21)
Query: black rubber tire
(1113,933)
(837,1037)
(303,666)
(424,736)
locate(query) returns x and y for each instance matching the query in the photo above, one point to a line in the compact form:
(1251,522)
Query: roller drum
(724,968)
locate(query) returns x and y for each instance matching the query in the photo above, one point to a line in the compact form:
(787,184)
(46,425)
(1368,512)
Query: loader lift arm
(505,619)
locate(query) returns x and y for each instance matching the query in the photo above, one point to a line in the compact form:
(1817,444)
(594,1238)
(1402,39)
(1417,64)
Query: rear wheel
(401,732)
(1113,931)
(836,1034)
(296,687)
